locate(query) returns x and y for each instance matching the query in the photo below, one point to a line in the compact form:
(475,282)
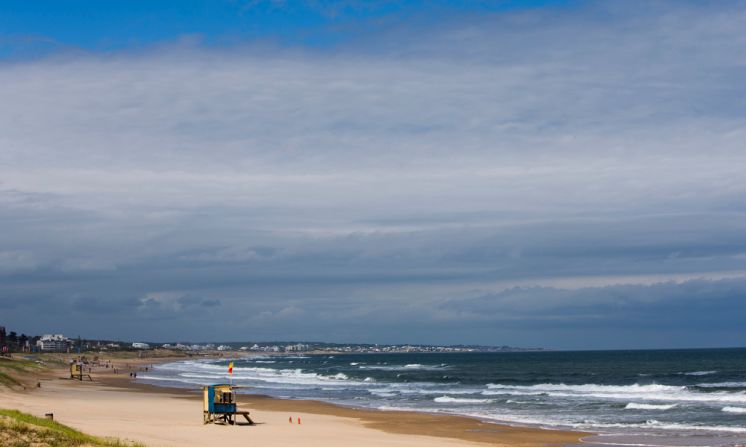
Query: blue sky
(40,27)
(557,174)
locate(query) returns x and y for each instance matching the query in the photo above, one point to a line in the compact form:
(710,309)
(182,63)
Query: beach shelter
(76,371)
(220,404)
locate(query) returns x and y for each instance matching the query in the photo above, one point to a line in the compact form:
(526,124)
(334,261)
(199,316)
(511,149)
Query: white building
(138,345)
(224,348)
(53,342)
(296,348)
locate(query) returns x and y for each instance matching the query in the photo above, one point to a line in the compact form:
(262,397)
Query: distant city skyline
(559,174)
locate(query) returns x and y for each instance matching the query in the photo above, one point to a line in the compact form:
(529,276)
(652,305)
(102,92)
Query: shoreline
(398,427)
(449,425)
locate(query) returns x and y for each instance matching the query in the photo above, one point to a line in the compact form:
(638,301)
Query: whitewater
(667,398)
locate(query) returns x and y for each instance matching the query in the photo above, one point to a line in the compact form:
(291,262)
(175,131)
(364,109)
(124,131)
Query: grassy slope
(24,430)
(19,429)
(12,371)
(19,372)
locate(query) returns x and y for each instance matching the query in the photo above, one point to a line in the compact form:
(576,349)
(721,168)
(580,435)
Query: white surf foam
(672,426)
(408,367)
(383,393)
(734,410)
(635,406)
(629,392)
(459,400)
(634,388)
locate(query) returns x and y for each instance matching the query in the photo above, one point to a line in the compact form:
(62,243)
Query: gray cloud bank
(516,178)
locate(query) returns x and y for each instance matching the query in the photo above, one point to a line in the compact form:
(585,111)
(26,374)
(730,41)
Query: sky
(559,174)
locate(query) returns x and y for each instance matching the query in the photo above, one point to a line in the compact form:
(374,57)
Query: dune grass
(19,429)
(19,365)
(13,370)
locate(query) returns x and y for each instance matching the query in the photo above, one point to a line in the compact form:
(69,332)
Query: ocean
(651,397)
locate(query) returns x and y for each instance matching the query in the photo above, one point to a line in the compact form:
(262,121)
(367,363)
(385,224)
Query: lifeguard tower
(76,371)
(220,405)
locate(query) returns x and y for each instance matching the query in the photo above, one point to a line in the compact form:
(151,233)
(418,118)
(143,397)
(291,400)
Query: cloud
(403,171)
(11,261)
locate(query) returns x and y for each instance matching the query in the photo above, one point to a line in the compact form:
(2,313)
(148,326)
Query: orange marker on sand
(298,420)
(290,419)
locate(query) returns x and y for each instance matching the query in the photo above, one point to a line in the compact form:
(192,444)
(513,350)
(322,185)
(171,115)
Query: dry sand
(113,405)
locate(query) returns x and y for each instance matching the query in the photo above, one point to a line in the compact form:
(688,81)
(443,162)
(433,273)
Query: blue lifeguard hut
(220,405)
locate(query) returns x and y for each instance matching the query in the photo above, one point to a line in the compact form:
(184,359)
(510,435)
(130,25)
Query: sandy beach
(114,405)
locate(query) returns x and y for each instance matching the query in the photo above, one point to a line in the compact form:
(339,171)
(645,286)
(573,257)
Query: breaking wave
(673,426)
(634,406)
(629,392)
(458,400)
(407,367)
(686,399)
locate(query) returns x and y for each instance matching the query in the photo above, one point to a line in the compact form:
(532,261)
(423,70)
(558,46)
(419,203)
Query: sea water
(666,397)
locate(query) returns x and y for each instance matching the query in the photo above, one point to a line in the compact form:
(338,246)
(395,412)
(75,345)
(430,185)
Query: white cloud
(584,149)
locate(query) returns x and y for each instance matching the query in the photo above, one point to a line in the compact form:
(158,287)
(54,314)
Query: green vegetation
(19,429)
(20,365)
(12,369)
